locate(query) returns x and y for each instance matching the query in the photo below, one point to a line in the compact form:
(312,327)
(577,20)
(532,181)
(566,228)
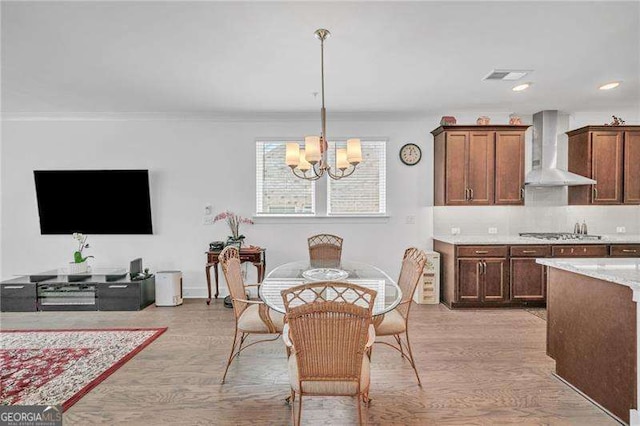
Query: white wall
(193,163)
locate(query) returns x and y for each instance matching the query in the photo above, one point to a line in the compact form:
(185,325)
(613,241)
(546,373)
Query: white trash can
(168,288)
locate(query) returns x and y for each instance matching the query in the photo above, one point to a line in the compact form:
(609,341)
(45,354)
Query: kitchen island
(592,329)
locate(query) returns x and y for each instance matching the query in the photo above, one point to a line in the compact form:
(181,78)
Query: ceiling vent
(506,75)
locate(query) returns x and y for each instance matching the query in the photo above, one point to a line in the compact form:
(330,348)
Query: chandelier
(313,157)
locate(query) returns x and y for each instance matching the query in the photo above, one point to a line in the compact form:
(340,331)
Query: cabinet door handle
(595,193)
(481,267)
(484,267)
(118,286)
(528,251)
(571,250)
(13,287)
(467,194)
(623,250)
(470,194)
(482,251)
(522,192)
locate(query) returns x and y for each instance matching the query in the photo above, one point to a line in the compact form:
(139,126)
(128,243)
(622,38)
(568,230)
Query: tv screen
(93,201)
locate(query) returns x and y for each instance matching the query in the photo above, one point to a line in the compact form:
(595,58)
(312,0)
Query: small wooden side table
(255,255)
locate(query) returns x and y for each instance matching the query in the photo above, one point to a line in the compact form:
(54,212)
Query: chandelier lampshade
(312,159)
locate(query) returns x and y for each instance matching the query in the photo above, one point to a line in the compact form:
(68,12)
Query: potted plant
(234,221)
(79,264)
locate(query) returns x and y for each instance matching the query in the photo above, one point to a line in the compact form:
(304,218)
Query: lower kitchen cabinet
(495,274)
(507,275)
(483,280)
(469,280)
(528,280)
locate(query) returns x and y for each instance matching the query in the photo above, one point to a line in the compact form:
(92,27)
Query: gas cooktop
(559,236)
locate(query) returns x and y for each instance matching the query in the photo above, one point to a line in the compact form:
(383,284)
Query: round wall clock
(410,154)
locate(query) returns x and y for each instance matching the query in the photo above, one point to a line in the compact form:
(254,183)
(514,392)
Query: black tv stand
(104,291)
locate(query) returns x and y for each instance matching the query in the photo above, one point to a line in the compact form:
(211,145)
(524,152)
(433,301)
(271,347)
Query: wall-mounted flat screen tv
(93,201)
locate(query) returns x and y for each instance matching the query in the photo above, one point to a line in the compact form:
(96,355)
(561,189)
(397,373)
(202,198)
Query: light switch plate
(493,230)
(621,229)
(410,219)
(455,231)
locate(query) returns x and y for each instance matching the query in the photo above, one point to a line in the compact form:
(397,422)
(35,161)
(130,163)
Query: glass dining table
(292,274)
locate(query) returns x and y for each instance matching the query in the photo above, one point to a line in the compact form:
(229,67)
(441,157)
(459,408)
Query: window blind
(364,192)
(278,191)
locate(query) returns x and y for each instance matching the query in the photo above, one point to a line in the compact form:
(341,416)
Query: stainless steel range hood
(545,155)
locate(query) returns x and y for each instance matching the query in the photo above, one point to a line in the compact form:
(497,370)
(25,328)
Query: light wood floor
(477,367)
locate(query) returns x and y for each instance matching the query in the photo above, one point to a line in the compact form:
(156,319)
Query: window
(278,191)
(364,192)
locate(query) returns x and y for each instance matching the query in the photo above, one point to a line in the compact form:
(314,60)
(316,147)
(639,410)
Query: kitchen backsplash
(509,220)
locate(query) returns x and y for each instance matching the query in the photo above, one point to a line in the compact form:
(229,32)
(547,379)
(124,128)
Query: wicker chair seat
(393,323)
(327,387)
(250,321)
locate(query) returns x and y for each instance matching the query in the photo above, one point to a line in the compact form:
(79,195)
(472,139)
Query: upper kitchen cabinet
(479,165)
(611,156)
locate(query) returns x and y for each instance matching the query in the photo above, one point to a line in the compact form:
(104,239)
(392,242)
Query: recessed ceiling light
(609,86)
(521,87)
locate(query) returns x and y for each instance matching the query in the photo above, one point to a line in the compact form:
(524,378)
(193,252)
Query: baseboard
(200,292)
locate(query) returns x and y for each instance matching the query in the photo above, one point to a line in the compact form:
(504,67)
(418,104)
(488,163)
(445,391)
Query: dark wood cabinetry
(479,165)
(609,155)
(507,275)
(631,171)
(482,280)
(509,168)
(528,280)
(585,250)
(625,250)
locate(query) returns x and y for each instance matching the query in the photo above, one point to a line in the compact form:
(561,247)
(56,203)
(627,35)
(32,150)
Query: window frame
(320,188)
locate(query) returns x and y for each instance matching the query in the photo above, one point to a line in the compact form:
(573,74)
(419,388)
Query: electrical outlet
(621,229)
(208,209)
(455,231)
(493,230)
(207,219)
(410,220)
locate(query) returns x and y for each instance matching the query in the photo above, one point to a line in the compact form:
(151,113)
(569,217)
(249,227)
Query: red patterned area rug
(58,367)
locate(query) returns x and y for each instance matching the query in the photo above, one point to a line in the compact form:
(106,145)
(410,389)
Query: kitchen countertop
(619,271)
(518,240)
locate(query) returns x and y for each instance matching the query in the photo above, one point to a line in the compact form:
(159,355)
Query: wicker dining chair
(325,250)
(328,331)
(251,316)
(396,322)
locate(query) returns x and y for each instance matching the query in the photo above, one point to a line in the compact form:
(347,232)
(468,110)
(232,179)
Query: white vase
(78,268)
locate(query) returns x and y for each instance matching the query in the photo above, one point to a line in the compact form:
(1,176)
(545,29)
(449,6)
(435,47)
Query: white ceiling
(239,57)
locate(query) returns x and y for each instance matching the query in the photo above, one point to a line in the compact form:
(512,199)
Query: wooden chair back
(325,250)
(329,325)
(410,275)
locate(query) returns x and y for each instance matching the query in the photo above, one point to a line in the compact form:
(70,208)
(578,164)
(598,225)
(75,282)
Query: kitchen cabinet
(482,280)
(509,177)
(485,275)
(482,274)
(625,250)
(631,171)
(479,165)
(584,250)
(528,279)
(611,156)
